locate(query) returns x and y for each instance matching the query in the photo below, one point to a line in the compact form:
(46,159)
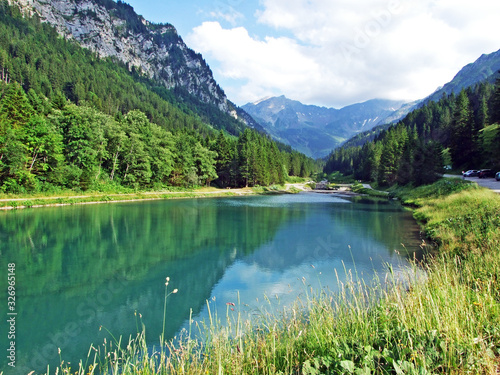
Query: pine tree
(15,108)
(246,156)
(463,140)
(495,111)
(223,160)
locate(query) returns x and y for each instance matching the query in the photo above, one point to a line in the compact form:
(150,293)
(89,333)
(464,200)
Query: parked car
(470,173)
(497,176)
(485,173)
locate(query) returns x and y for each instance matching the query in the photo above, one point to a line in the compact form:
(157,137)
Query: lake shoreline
(209,243)
(447,321)
(108,199)
(39,202)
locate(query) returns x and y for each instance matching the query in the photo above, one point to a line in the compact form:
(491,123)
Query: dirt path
(241,191)
(128,197)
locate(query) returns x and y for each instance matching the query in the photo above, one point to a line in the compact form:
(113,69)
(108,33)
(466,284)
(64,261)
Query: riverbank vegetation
(67,197)
(445,320)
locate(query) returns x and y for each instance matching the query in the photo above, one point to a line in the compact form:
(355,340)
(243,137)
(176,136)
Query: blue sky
(332,52)
(188,14)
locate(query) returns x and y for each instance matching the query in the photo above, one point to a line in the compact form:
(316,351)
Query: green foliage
(34,55)
(416,196)
(75,121)
(81,148)
(453,131)
(360,189)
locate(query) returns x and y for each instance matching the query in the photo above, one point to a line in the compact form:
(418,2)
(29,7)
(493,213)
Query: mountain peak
(113,29)
(262,100)
(314,130)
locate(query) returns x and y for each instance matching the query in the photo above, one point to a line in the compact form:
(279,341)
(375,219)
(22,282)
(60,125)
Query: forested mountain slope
(460,130)
(152,51)
(485,68)
(69,119)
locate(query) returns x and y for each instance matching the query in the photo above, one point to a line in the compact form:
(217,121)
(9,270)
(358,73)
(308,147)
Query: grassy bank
(70,198)
(105,198)
(447,322)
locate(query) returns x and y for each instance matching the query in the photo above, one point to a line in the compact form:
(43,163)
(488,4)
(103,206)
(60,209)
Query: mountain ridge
(316,130)
(484,68)
(156,51)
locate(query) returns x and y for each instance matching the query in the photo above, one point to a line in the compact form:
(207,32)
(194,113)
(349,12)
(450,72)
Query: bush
(446,186)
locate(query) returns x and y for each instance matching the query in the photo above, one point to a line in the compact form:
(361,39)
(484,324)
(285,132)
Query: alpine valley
(130,64)
(314,130)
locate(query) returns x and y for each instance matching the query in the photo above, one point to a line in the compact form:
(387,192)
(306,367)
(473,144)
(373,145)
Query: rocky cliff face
(114,30)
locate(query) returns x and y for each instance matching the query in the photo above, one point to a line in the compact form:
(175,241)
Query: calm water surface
(82,267)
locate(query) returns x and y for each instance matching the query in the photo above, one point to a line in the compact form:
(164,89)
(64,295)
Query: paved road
(489,183)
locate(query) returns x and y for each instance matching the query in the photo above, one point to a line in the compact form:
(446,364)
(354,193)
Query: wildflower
(175,291)
(230,304)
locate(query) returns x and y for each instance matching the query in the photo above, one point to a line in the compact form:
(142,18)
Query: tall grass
(447,322)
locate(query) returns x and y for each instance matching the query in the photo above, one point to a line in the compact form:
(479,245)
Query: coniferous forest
(71,120)
(460,132)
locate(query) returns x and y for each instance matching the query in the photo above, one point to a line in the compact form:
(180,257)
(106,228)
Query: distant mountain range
(486,68)
(314,130)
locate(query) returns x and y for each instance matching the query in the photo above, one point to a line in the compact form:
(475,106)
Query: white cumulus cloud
(339,52)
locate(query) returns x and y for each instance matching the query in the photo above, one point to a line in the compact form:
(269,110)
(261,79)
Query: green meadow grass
(441,317)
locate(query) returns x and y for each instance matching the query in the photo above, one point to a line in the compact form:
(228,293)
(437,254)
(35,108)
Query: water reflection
(83,267)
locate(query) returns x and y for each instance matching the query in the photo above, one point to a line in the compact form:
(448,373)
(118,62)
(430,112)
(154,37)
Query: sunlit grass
(107,198)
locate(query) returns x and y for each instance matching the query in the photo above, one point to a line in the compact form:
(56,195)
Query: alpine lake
(86,273)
